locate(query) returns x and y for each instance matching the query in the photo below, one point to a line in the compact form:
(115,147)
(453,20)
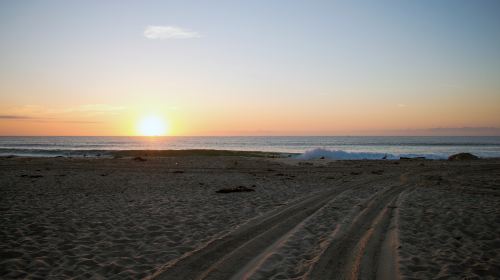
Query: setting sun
(152,126)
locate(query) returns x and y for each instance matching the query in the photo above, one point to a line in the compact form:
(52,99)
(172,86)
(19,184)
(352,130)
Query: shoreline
(313,154)
(143,153)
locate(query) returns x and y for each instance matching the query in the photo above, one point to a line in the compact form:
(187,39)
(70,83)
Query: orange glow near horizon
(186,119)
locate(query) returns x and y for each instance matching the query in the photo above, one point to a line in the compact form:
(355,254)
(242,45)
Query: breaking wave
(344,155)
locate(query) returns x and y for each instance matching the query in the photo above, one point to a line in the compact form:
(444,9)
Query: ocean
(315,146)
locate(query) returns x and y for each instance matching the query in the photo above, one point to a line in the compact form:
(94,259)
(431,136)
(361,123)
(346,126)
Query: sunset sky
(249,67)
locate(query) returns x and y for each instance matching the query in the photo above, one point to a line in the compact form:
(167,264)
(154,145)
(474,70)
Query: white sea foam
(344,155)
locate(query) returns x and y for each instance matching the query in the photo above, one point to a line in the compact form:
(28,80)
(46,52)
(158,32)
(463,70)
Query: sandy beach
(163,218)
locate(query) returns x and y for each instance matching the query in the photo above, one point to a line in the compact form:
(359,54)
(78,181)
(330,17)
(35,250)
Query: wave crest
(344,155)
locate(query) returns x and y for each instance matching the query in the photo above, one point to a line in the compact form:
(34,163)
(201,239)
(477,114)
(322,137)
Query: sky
(250,67)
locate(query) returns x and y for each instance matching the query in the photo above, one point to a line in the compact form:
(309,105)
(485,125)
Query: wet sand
(162,218)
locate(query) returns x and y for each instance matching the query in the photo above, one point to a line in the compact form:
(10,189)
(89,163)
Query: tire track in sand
(224,257)
(365,248)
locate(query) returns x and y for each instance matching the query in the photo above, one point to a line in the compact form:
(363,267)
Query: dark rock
(139,159)
(378,172)
(463,156)
(178,172)
(237,189)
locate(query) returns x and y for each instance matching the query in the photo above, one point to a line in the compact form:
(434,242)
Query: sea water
(329,146)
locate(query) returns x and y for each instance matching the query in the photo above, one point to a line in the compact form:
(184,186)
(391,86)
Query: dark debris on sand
(139,159)
(236,189)
(31,176)
(412,158)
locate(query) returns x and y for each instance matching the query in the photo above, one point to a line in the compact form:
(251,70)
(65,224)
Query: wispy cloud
(96,109)
(14,117)
(440,131)
(169,32)
(473,130)
(42,119)
(79,114)
(55,120)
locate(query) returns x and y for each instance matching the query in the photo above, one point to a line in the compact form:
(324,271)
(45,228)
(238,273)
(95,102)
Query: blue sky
(421,62)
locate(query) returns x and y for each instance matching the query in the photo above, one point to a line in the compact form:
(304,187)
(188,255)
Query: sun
(152,126)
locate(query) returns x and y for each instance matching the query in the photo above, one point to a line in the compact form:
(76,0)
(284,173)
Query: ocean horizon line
(221,136)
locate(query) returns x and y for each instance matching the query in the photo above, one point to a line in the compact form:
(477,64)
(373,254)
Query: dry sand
(162,218)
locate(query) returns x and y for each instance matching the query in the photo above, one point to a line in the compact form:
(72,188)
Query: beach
(248,216)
